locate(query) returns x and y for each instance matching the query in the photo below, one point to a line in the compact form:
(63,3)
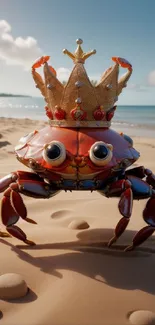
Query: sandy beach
(73,280)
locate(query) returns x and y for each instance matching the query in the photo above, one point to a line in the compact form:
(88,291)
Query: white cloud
(17,51)
(63,74)
(151,78)
(137,87)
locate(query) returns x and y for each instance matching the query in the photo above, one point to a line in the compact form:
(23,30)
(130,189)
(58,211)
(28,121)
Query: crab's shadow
(130,271)
(4,143)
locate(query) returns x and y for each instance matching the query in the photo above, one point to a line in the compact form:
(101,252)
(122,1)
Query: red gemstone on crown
(78,114)
(59,113)
(48,113)
(110,115)
(98,114)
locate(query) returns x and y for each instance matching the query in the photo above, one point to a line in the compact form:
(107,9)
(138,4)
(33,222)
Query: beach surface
(73,279)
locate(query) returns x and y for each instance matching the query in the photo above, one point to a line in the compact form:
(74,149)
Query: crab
(85,159)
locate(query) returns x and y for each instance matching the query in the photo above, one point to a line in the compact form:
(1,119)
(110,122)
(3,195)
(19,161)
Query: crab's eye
(54,153)
(100,153)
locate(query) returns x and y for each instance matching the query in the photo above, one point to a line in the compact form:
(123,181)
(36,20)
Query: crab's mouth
(84,161)
(79,162)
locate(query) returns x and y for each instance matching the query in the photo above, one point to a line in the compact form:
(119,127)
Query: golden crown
(79,103)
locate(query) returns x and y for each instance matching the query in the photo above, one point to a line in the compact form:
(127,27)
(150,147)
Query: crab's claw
(122,62)
(39,62)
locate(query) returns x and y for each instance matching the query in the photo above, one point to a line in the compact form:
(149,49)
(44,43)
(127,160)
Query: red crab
(85,159)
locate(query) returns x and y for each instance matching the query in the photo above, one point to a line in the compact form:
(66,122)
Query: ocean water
(138,119)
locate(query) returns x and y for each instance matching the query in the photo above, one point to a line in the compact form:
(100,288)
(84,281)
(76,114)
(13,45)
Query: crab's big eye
(100,153)
(54,153)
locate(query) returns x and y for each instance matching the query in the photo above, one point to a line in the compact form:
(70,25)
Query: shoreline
(139,131)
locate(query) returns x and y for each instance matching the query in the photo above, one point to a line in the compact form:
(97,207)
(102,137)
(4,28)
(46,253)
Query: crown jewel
(79,103)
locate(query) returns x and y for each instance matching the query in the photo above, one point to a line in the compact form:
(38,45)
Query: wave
(133,125)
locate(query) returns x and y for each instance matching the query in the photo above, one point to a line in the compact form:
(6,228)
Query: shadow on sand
(1,315)
(90,257)
(30,296)
(4,144)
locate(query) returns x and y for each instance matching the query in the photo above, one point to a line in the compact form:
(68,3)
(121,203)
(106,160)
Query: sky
(124,28)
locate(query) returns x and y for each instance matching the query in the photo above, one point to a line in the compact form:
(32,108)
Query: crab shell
(77,143)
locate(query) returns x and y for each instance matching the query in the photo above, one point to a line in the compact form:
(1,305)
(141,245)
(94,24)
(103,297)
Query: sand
(73,280)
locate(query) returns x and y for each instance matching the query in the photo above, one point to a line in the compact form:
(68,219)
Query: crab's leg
(142,172)
(13,207)
(7,180)
(10,218)
(4,183)
(137,171)
(149,211)
(130,188)
(147,231)
(123,188)
(150,179)
(142,190)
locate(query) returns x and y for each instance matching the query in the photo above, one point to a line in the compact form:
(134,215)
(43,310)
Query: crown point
(64,51)
(79,41)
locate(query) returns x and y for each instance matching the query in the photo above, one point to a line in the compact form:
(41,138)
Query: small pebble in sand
(78,224)
(12,286)
(142,317)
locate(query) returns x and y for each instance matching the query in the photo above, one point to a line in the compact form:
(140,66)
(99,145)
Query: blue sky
(30,28)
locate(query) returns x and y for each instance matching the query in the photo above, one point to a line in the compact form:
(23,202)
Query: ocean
(139,120)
